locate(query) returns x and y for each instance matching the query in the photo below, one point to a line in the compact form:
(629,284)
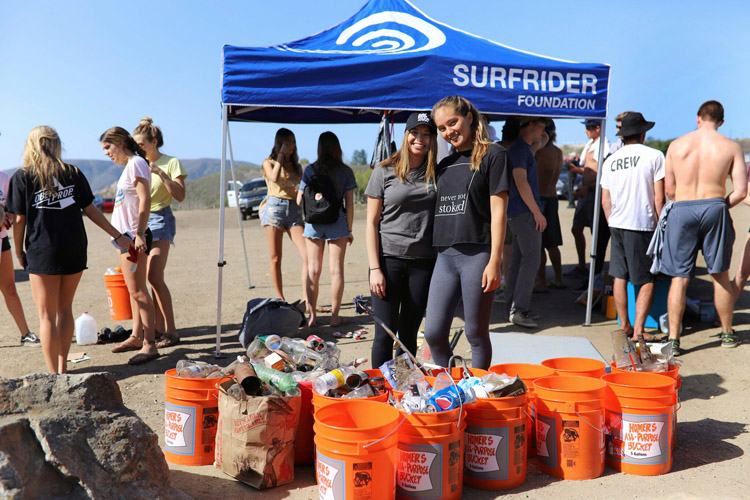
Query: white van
(231,195)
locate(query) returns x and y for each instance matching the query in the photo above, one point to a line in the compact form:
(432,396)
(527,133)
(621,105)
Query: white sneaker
(522,319)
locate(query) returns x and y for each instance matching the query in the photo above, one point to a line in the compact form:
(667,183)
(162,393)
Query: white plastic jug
(85,329)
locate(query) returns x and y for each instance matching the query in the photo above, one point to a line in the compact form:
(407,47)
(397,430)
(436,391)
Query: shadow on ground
(209,487)
(706,442)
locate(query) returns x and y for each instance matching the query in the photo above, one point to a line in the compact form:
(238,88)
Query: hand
(155,169)
(140,244)
(377,283)
(491,276)
(350,238)
(124,242)
(7,221)
(582,191)
(539,221)
(285,150)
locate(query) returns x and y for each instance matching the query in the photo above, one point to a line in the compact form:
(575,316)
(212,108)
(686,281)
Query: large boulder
(71,436)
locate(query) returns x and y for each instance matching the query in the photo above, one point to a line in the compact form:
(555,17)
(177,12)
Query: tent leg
(222,196)
(239,211)
(595,223)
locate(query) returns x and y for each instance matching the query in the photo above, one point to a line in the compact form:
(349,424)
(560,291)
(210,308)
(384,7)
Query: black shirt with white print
(55,236)
(462,213)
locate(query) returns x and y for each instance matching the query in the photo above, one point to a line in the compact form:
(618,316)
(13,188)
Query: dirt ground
(712,439)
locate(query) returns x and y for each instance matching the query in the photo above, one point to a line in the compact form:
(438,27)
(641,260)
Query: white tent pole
(222,197)
(595,223)
(239,211)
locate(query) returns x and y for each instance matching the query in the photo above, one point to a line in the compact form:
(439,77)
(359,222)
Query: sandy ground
(711,436)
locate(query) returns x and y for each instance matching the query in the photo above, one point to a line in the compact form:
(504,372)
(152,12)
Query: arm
(175,187)
(349,195)
(519,177)
(100,220)
(377,278)
(272,169)
(669,180)
(606,203)
(19,228)
(299,197)
(659,198)
(144,208)
(739,178)
(498,206)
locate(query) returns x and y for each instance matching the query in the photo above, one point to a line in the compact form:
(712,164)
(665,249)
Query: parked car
(231,186)
(108,205)
(98,202)
(251,194)
(562,181)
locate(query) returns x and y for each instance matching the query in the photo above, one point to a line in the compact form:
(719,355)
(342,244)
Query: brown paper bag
(255,438)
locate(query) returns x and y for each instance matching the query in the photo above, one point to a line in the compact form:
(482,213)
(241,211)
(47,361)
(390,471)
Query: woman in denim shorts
(167,184)
(279,212)
(329,164)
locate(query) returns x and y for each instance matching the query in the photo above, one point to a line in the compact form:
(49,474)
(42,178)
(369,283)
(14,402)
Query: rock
(71,436)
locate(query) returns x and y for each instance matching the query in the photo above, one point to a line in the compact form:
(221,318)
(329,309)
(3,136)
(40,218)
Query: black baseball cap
(420,118)
(592,123)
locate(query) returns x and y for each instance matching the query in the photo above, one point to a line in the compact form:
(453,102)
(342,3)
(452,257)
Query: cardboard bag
(255,438)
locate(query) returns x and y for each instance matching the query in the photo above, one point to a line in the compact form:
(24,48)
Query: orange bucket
(673,372)
(319,401)
(528,373)
(569,426)
(118,297)
(641,414)
(190,419)
(304,447)
(582,367)
(431,455)
(356,450)
(496,443)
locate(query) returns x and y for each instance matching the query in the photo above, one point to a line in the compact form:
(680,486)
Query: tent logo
(413,35)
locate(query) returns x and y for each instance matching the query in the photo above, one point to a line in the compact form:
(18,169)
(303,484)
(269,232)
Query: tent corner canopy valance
(391,56)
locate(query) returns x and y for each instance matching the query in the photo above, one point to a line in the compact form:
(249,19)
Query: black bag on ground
(267,316)
(320,205)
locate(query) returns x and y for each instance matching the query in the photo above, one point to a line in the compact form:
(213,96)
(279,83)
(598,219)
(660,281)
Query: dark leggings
(407,282)
(458,274)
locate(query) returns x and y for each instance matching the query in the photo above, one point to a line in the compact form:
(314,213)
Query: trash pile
(641,357)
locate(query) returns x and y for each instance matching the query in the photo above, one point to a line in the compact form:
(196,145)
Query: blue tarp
(391,56)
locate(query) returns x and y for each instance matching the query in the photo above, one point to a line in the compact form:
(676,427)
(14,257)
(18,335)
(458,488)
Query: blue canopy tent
(390,56)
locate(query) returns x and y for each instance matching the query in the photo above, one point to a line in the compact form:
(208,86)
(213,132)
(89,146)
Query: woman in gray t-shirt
(400,213)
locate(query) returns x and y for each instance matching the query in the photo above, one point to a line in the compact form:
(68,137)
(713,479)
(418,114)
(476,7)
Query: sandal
(676,351)
(125,346)
(167,340)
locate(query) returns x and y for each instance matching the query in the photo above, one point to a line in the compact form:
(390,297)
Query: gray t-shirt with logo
(407,217)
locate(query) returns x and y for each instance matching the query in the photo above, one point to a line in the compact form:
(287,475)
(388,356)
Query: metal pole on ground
(222,197)
(595,223)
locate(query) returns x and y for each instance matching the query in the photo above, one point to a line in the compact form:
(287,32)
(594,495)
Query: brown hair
(479,129)
(282,135)
(120,137)
(400,159)
(41,156)
(622,115)
(711,111)
(150,131)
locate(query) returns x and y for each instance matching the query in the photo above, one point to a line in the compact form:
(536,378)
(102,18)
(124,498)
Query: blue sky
(85,66)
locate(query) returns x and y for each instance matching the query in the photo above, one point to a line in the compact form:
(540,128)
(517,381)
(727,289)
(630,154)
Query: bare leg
(295,233)
(676,305)
(65,321)
(336,253)
(163,310)
(724,298)
(8,289)
(275,236)
(556,260)
(45,289)
(580,241)
(620,293)
(315,249)
(144,306)
(743,271)
(642,307)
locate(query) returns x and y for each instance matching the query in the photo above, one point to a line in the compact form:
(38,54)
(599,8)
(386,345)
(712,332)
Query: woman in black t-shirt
(400,214)
(47,196)
(472,196)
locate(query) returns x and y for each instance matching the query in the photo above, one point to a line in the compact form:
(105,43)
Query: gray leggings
(458,274)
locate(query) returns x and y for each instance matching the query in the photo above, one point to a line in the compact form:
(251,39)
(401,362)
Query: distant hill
(204,192)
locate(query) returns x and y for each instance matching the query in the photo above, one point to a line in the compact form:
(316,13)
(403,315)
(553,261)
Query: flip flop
(648,337)
(142,358)
(167,340)
(123,347)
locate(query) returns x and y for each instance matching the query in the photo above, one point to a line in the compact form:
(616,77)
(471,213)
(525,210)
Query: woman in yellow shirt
(167,183)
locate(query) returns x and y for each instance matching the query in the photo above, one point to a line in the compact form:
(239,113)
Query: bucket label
(330,478)
(486,454)
(546,442)
(362,478)
(638,439)
(179,429)
(419,473)
(571,442)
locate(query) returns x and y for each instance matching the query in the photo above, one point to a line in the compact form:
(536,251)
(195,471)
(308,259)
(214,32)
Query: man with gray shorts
(632,198)
(697,166)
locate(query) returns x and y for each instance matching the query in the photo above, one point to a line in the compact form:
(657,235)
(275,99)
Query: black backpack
(320,205)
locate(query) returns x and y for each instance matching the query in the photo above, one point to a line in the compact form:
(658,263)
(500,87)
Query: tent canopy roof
(391,56)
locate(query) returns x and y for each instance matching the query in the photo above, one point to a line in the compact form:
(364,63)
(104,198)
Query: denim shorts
(163,225)
(335,231)
(281,213)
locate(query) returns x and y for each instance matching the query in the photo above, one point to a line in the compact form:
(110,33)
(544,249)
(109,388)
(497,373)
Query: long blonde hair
(400,160)
(479,128)
(41,156)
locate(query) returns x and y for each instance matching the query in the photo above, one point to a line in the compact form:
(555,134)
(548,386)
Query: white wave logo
(385,40)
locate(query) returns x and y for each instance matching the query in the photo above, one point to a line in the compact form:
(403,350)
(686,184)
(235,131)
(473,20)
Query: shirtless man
(549,163)
(697,167)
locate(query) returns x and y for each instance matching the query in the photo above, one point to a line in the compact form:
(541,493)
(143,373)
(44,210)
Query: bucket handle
(527,413)
(679,404)
(604,431)
(386,436)
(452,363)
(466,375)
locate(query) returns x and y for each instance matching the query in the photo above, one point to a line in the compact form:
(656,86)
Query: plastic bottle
(193,369)
(85,329)
(257,349)
(280,380)
(273,342)
(300,353)
(335,379)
